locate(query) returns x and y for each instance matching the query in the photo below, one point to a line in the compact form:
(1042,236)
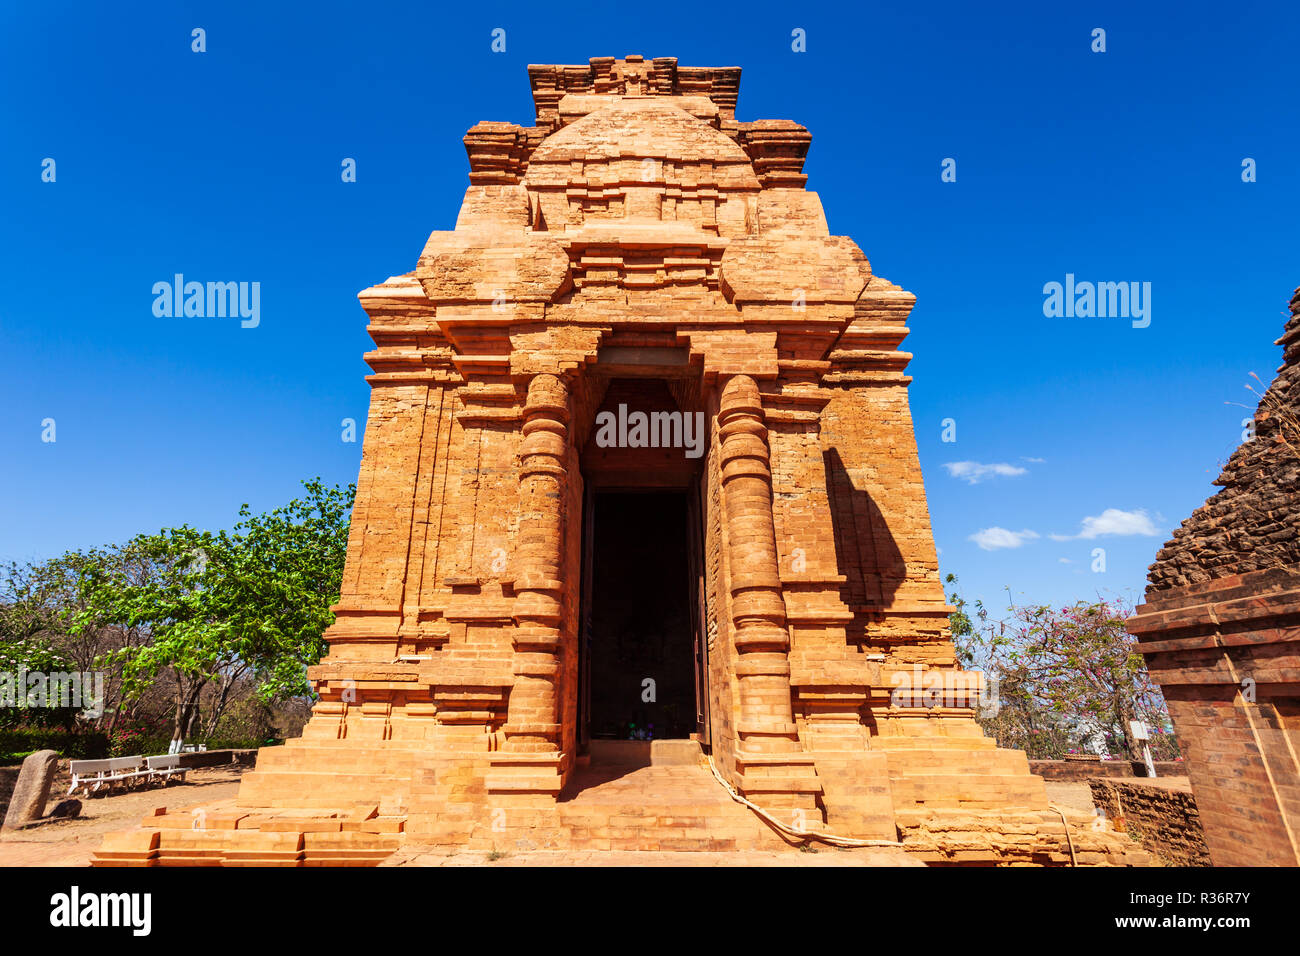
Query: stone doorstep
(656,753)
(671,753)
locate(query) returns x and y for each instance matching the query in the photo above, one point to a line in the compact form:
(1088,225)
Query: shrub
(72,746)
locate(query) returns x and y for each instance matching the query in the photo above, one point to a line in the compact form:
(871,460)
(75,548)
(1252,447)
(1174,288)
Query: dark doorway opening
(641,642)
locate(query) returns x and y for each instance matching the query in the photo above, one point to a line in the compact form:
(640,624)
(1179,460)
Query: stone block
(32,790)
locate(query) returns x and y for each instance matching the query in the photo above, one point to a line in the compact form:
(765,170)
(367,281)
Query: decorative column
(532,721)
(760,635)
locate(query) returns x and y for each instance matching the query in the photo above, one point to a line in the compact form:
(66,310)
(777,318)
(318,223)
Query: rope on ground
(1066,824)
(830,838)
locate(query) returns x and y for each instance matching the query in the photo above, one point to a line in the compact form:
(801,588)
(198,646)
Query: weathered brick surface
(1253,523)
(639,244)
(1160,814)
(1220,630)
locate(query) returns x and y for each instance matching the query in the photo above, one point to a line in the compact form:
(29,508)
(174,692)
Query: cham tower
(1220,629)
(549,641)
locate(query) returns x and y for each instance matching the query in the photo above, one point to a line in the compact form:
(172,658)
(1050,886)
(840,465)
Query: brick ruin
(636,250)
(1160,813)
(1220,630)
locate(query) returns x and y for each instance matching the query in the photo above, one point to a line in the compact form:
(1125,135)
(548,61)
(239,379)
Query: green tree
(218,607)
(966,636)
(280,573)
(36,601)
(45,602)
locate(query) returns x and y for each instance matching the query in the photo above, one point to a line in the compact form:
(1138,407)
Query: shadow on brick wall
(865,550)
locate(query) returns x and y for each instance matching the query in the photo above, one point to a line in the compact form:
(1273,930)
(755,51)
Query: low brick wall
(219,758)
(1160,814)
(1083,770)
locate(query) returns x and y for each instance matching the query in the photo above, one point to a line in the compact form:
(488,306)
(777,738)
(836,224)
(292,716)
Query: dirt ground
(71,842)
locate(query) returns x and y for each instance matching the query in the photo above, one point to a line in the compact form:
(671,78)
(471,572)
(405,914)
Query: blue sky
(225,165)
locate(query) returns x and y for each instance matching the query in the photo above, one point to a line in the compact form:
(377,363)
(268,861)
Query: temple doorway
(642,658)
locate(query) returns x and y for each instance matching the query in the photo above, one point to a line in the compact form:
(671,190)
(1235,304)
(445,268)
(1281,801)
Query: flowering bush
(1069,680)
(138,738)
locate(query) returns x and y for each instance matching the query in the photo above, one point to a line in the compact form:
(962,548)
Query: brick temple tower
(1220,630)
(750,581)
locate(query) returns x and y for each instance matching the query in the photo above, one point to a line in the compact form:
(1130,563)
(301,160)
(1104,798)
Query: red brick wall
(1245,781)
(1220,630)
(1078,771)
(1162,816)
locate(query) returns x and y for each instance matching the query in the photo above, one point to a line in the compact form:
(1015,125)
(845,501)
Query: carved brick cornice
(499,152)
(777,148)
(867,353)
(631,76)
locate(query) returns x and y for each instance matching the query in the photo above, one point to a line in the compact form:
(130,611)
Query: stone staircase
(222,834)
(955,800)
(656,795)
(359,772)
(959,773)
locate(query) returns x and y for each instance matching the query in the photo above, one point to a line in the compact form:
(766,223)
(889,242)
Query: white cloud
(1034,461)
(991,539)
(1064,560)
(1113,521)
(974,472)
